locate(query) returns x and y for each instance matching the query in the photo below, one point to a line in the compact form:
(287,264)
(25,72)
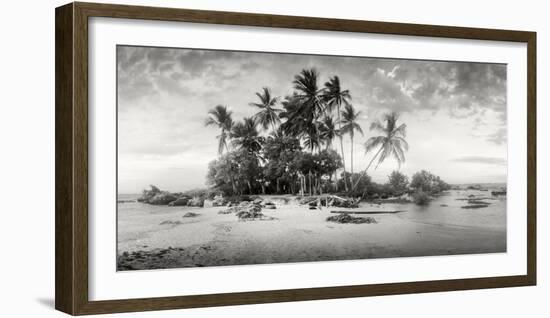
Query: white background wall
(27,158)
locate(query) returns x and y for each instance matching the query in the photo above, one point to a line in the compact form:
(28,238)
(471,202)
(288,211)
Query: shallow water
(447,210)
(443,210)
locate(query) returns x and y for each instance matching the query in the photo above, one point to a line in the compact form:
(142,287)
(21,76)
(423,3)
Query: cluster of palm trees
(316,115)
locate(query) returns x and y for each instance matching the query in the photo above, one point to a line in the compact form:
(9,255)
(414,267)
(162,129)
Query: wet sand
(152,237)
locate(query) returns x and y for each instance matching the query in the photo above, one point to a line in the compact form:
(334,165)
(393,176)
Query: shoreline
(292,234)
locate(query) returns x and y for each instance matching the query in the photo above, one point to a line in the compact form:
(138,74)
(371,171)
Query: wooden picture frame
(71,90)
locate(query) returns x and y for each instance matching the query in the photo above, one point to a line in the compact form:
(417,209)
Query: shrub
(426,181)
(421,198)
(398,182)
(364,187)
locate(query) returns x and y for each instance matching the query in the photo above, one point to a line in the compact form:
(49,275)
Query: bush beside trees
(398,183)
(421,198)
(427,182)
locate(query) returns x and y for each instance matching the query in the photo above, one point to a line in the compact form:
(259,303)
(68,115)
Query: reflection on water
(447,210)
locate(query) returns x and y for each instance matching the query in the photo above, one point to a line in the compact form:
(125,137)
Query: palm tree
(312,136)
(309,93)
(220,117)
(306,106)
(268,114)
(335,97)
(328,131)
(309,107)
(350,126)
(391,143)
(327,134)
(246,136)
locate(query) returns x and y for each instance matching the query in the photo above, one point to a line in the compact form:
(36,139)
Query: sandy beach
(152,237)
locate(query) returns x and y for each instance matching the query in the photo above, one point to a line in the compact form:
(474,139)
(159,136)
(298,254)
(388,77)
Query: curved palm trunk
(367,168)
(342,151)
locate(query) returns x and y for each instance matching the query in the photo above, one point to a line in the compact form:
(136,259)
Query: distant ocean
(126,196)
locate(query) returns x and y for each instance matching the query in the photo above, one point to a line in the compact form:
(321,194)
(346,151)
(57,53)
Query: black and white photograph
(242,158)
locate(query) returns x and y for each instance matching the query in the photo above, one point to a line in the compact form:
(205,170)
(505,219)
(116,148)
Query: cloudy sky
(455,112)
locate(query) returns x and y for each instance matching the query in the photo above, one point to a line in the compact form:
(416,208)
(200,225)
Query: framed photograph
(218,158)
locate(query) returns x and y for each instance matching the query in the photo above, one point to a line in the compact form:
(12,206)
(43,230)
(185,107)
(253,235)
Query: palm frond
(358,128)
(398,154)
(386,151)
(402,143)
(210,122)
(374,142)
(400,131)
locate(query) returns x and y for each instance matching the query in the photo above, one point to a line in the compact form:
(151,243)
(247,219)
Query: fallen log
(369,212)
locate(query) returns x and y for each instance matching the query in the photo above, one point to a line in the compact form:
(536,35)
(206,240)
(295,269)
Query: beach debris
(181,201)
(347,218)
(219,200)
(314,204)
(443,205)
(333,200)
(170,222)
(247,215)
(369,212)
(248,210)
(231,209)
(251,211)
(478,201)
(476,198)
(234,208)
(330,200)
(269,205)
(307,200)
(498,193)
(190,215)
(475,206)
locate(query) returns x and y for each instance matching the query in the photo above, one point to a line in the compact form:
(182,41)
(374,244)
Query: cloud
(499,137)
(482,160)
(165,93)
